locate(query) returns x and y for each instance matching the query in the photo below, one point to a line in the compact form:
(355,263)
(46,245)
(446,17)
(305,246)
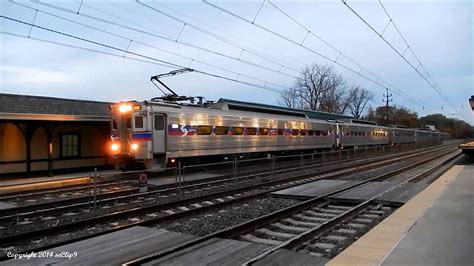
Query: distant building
(47,134)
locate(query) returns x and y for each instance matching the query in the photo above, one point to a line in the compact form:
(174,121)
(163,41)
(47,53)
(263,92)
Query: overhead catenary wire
(163,37)
(408,46)
(338,51)
(135,54)
(357,72)
(187,23)
(150,46)
(437,90)
(261,47)
(82,48)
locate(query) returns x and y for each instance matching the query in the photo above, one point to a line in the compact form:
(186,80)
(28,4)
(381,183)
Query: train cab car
(155,134)
(133,134)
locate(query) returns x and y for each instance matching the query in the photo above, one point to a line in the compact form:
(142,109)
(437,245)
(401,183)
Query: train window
(303,132)
(204,130)
(222,130)
(159,122)
(263,131)
(295,132)
(114,124)
(251,131)
(238,130)
(280,131)
(138,121)
(129,122)
(310,132)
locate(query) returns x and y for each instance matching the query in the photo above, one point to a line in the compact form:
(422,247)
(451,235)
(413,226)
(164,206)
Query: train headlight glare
(134,146)
(114,147)
(124,108)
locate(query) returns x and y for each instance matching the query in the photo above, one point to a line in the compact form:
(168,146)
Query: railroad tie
(370,216)
(323,246)
(354,225)
(363,221)
(344,231)
(345,208)
(309,218)
(329,210)
(271,233)
(376,212)
(339,239)
(298,223)
(289,228)
(254,239)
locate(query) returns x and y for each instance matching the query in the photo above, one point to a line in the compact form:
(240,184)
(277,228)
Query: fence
(241,169)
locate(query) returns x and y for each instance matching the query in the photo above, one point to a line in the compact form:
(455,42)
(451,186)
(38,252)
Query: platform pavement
(35,183)
(45,182)
(436,227)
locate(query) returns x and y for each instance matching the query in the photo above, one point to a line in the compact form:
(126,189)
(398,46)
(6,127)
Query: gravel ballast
(213,221)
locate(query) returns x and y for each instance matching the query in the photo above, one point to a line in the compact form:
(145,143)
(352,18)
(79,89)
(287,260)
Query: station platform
(81,178)
(218,251)
(109,249)
(467,148)
(43,182)
(434,227)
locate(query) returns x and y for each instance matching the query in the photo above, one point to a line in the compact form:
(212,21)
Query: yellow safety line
(375,245)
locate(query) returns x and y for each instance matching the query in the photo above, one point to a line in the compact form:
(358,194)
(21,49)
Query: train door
(159,133)
(338,136)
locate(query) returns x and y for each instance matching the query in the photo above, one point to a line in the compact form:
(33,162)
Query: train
(158,134)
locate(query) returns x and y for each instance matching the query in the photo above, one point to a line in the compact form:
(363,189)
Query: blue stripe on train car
(146,136)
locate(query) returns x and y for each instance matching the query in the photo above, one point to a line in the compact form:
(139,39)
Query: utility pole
(387,101)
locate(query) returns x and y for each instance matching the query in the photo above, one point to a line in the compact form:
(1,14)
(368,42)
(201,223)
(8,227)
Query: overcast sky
(440,33)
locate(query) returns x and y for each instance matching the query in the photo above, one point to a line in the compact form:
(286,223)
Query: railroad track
(79,193)
(50,216)
(156,213)
(34,197)
(319,226)
(130,195)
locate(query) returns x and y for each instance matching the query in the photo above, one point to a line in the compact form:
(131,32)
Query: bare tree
(290,98)
(319,88)
(359,97)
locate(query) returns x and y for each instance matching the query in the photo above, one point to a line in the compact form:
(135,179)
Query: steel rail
(116,215)
(319,230)
(261,221)
(45,207)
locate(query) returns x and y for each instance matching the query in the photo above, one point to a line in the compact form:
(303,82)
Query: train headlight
(114,147)
(134,146)
(125,108)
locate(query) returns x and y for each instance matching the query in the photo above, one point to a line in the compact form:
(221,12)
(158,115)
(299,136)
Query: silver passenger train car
(157,134)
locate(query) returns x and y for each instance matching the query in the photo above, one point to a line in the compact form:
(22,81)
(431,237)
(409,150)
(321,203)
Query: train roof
(224,111)
(272,109)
